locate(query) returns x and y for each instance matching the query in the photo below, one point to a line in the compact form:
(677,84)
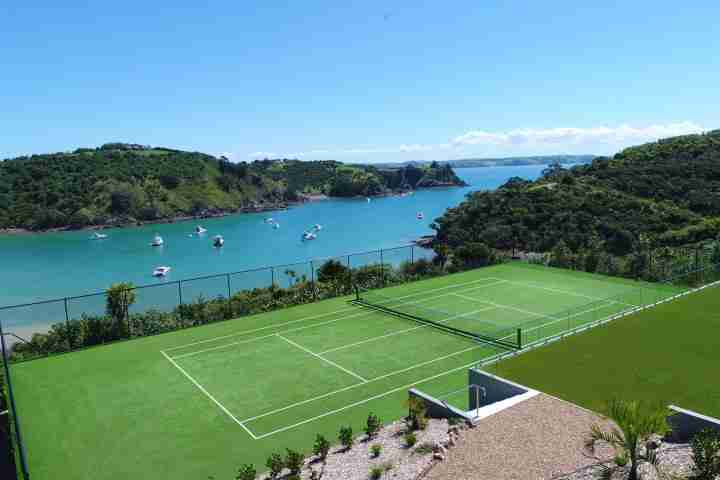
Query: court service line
(403,331)
(565,292)
(214,400)
(296,329)
(350,387)
(329,362)
(375,397)
(341,310)
(500,305)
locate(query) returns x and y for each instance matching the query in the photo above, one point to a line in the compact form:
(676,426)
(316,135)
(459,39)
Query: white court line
(607,305)
(575,294)
(329,362)
(500,305)
(341,310)
(340,390)
(403,331)
(375,397)
(215,401)
(296,329)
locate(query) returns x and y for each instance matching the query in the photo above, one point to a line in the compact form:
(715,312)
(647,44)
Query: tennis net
(466,325)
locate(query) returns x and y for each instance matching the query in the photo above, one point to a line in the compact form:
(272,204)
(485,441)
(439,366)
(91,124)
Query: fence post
(127,314)
(272,276)
(67,323)
(412,254)
(13,407)
(382,269)
(312,280)
(228,285)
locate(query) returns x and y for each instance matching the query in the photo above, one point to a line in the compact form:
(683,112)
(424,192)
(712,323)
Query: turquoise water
(51,265)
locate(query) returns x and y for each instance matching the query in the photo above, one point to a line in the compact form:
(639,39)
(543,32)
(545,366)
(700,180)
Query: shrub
(706,454)
(321,447)
(373,425)
(346,437)
(275,465)
(417,414)
(387,466)
(424,448)
(376,473)
(410,439)
(246,472)
(294,461)
(376,449)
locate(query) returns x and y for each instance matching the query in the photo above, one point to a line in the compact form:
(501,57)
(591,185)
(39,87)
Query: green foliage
(372,426)
(424,448)
(119,183)
(376,473)
(346,437)
(410,439)
(636,422)
(321,448)
(643,199)
(417,414)
(246,472)
(275,465)
(375,450)
(706,455)
(473,255)
(119,298)
(294,461)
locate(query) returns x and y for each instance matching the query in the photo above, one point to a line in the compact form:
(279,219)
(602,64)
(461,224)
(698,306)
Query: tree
(442,252)
(333,271)
(561,256)
(635,422)
(473,255)
(120,296)
(121,202)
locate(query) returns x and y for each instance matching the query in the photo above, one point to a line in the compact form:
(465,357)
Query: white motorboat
(317,227)
(161,271)
(420,216)
(270,220)
(308,236)
(157,241)
(199,229)
(276,225)
(218,241)
(98,236)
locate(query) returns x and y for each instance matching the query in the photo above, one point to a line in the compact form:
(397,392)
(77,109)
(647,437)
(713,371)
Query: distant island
(498,162)
(125,184)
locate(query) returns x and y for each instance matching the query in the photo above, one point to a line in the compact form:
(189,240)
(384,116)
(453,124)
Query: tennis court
(200,402)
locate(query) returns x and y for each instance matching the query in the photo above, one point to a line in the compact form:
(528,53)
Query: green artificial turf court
(668,353)
(202,401)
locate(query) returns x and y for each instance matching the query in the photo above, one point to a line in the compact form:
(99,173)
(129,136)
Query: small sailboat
(368,199)
(157,241)
(276,225)
(317,227)
(420,216)
(270,220)
(200,230)
(161,271)
(218,241)
(98,236)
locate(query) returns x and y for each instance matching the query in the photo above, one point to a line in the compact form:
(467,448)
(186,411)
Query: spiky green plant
(634,422)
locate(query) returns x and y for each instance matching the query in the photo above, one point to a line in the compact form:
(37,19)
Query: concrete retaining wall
(495,388)
(436,408)
(686,424)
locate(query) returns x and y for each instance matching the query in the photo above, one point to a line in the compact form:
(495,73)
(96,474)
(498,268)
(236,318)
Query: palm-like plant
(635,422)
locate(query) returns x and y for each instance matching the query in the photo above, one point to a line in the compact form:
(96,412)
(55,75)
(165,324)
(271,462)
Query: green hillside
(609,215)
(119,184)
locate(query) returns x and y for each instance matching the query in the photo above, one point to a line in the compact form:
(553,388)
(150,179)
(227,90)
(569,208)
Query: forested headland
(613,215)
(120,184)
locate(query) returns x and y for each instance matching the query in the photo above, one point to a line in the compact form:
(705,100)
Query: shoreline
(213,213)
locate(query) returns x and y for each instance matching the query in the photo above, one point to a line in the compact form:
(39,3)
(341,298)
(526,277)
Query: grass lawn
(202,401)
(668,353)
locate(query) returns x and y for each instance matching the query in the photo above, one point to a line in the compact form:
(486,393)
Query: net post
(13,407)
(357,292)
(519,338)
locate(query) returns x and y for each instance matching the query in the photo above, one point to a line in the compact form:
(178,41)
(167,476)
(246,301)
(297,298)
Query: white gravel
(406,463)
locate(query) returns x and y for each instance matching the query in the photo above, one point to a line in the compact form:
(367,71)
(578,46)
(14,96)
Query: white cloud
(574,136)
(523,141)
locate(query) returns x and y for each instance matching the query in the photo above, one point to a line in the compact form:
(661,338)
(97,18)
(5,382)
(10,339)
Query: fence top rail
(205,277)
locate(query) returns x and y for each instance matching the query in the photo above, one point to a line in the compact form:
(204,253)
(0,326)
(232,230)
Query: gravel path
(540,438)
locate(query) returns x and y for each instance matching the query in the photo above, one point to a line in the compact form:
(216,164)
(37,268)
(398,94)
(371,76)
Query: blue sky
(367,81)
